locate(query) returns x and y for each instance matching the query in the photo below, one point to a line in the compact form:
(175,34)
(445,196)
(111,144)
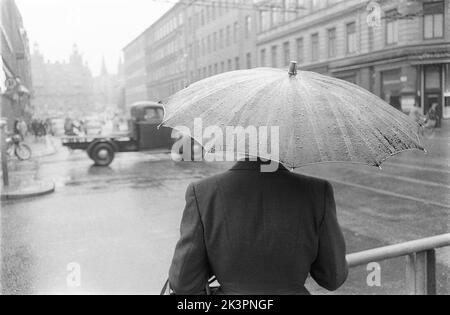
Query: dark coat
(259,233)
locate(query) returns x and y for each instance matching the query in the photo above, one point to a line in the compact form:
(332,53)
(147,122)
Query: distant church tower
(104,71)
(76,58)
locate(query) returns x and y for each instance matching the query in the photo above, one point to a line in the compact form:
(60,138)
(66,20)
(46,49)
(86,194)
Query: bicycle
(15,146)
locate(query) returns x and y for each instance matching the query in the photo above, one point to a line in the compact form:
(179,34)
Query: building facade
(61,88)
(15,66)
(399,50)
(192,41)
(221,36)
(134,71)
(165,60)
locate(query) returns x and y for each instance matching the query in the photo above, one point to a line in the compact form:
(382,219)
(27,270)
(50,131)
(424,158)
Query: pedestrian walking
(432,117)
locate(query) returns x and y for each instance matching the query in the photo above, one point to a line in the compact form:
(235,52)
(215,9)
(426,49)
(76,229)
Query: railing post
(4,155)
(421,273)
(411,274)
(431,272)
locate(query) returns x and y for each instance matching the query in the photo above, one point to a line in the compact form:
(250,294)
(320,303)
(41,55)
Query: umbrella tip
(293,69)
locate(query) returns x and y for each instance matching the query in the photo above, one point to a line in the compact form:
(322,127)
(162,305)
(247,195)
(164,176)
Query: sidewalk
(24,181)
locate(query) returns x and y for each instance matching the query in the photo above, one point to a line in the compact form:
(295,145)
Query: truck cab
(145,127)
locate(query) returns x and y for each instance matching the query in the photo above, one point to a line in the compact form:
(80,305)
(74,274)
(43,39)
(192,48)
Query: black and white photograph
(222,154)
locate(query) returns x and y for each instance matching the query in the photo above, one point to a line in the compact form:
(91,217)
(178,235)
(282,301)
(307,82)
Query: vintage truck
(145,134)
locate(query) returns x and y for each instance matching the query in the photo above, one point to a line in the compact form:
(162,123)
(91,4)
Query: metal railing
(420,261)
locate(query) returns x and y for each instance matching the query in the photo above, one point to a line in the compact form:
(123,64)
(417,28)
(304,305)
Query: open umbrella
(320,119)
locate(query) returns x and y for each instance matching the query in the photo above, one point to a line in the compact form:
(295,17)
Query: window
(300,50)
(237,63)
(230,65)
(153,114)
(213,11)
(274,56)
(286,53)
(433,20)
(209,44)
(221,39)
(236,32)
(332,43)
(249,60)
(263,58)
(248,26)
(391,27)
(351,38)
(265,21)
(315,47)
(228,35)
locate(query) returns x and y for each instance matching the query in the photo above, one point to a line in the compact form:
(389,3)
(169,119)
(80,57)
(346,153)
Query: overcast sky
(99,27)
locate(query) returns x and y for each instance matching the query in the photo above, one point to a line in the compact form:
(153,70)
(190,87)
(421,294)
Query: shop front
(446,83)
(435,88)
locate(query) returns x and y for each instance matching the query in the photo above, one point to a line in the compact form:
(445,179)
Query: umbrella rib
(391,115)
(309,113)
(339,118)
(395,122)
(363,138)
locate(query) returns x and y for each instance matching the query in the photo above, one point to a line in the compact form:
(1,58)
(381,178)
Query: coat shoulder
(310,180)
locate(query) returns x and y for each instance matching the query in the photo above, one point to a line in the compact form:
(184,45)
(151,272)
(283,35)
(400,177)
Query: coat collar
(253,166)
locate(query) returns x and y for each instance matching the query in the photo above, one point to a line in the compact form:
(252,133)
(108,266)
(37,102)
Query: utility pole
(3,128)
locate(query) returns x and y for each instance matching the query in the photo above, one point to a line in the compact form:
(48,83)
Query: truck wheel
(102,154)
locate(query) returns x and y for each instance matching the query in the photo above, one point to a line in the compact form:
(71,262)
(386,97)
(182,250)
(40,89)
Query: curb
(29,191)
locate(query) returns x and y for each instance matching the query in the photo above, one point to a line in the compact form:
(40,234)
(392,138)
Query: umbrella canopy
(320,118)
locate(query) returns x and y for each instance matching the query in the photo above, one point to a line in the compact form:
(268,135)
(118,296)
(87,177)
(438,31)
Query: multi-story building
(399,50)
(16,82)
(221,36)
(165,60)
(192,41)
(134,71)
(61,87)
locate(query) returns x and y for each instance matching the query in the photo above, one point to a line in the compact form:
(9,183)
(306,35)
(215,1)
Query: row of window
(211,11)
(352,48)
(283,11)
(219,40)
(169,26)
(433,28)
(173,68)
(174,46)
(224,66)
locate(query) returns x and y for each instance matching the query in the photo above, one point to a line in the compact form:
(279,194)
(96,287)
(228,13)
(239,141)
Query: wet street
(120,224)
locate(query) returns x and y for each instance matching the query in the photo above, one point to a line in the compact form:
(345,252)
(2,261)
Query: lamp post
(3,127)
